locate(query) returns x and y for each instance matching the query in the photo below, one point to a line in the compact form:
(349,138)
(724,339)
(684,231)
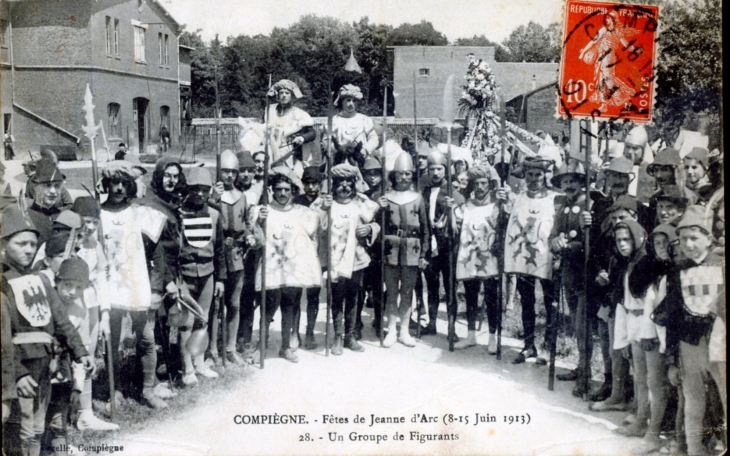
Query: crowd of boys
(651,288)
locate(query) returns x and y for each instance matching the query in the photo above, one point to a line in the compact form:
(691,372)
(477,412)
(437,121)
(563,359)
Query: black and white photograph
(387,227)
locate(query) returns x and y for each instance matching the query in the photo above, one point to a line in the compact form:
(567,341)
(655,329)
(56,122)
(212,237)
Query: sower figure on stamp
(476,263)
(527,253)
(291,247)
(407,241)
(237,237)
(435,197)
(312,181)
(136,272)
(567,242)
(35,315)
(203,270)
(352,230)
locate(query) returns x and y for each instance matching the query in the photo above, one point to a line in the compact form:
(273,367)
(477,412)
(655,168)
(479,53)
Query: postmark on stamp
(607,66)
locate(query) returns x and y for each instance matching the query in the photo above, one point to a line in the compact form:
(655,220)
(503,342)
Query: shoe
(234,358)
(309,343)
(603,393)
(214,357)
(578,389)
(406,339)
(88,422)
(470,341)
(390,339)
(190,379)
(649,445)
(148,395)
(358,333)
(568,377)
(524,354)
(352,344)
(162,390)
(540,361)
(289,355)
(429,330)
(606,406)
(207,372)
(337,347)
(492,347)
(632,430)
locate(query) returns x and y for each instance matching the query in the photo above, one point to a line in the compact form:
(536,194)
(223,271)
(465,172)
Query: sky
(454,18)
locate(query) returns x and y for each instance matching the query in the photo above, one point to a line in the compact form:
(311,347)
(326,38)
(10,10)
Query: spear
(263,323)
(586,252)
(90,131)
(448,121)
(218,301)
(501,228)
(383,185)
(419,283)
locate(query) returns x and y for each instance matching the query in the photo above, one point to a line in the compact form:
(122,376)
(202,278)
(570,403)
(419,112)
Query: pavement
(437,394)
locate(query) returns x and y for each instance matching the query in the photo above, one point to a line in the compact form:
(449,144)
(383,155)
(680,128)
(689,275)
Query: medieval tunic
(478,233)
(348,254)
(129,280)
(235,228)
(406,229)
(284,128)
(291,250)
(527,251)
(358,128)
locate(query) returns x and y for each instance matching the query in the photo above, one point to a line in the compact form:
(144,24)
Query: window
(116,36)
(166,55)
(159,48)
(115,124)
(139,43)
(424,72)
(162,41)
(4,50)
(108,33)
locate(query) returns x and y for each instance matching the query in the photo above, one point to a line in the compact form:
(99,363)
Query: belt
(407,233)
(36,337)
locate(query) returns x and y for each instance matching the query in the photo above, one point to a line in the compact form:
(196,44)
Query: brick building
(433,65)
(125,50)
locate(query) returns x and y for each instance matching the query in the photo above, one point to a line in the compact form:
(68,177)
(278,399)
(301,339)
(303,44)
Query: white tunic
(291,251)
(478,233)
(527,250)
(358,128)
(129,283)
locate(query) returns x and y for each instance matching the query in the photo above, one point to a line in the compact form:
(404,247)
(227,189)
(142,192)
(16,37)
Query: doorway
(141,122)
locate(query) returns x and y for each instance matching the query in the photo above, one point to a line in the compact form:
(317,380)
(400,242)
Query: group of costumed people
(649,291)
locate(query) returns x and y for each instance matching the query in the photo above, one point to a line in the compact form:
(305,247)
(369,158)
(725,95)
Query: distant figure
(119,155)
(8,146)
(165,138)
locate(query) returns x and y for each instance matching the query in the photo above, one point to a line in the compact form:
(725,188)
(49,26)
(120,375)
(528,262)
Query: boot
(470,341)
(338,345)
(352,344)
(430,329)
(492,348)
(309,343)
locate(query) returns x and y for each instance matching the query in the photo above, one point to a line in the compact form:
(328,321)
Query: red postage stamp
(607,65)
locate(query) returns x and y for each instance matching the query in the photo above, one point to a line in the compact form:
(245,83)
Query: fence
(199,138)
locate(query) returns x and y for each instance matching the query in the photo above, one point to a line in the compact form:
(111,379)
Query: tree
(533,43)
(421,34)
(500,53)
(689,68)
